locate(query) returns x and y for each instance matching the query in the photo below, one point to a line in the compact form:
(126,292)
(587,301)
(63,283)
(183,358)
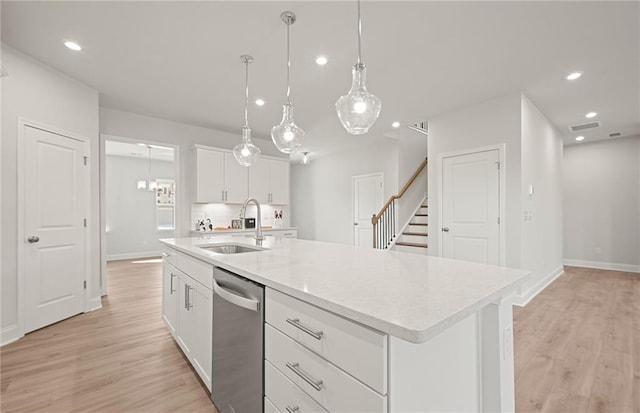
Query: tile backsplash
(222,214)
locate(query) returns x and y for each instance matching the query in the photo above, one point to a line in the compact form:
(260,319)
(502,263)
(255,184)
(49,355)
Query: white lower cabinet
(170,296)
(284,395)
(320,360)
(187,308)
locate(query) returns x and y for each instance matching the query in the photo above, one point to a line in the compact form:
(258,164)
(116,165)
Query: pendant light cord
(288,64)
(359,35)
(246,94)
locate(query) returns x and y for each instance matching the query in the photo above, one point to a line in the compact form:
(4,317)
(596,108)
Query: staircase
(384,222)
(414,236)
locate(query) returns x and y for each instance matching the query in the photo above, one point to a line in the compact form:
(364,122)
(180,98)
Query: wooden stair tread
(418,223)
(412,244)
(424,206)
(421,215)
(424,234)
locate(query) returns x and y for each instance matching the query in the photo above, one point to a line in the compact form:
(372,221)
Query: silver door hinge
(85,222)
(498,165)
(86,159)
(85,284)
(498,220)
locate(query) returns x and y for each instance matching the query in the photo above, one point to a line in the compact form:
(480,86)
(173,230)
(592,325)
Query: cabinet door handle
(222,196)
(226,195)
(296,323)
(295,367)
(186,297)
(294,409)
(165,255)
(171,291)
(189,303)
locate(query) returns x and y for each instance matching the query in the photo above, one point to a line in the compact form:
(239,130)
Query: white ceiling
(180,60)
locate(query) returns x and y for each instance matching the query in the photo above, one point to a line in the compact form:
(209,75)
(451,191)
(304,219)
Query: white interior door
(55,192)
(471,207)
(367,200)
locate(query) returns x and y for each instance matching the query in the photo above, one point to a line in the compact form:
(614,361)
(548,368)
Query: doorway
(367,195)
(139,189)
(53,236)
(470,205)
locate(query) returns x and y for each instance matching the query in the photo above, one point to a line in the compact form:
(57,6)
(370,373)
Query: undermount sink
(230,248)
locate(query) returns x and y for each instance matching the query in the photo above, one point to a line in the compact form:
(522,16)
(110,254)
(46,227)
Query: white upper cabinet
(219,177)
(209,176)
(269,181)
(235,180)
(259,180)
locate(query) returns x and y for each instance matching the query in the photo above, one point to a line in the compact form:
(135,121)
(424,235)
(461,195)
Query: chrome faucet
(258,236)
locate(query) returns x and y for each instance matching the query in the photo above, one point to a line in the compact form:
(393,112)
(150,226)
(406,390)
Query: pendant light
(147,185)
(246,153)
(287,136)
(305,158)
(359,109)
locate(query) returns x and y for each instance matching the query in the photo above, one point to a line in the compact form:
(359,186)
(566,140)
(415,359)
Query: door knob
(445,229)
(33,238)
(355,223)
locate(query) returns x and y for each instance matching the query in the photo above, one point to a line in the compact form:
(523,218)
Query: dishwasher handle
(248,303)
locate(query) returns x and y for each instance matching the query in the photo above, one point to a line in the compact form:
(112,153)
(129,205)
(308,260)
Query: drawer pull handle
(296,323)
(164,254)
(294,409)
(295,367)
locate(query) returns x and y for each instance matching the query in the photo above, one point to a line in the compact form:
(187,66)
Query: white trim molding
(134,255)
(603,265)
(9,334)
(524,297)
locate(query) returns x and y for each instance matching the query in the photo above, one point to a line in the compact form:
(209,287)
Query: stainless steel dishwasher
(238,344)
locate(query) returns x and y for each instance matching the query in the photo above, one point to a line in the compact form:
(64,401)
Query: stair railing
(384,222)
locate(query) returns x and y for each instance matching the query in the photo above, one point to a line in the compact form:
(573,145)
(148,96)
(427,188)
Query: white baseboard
(603,265)
(524,297)
(132,255)
(9,334)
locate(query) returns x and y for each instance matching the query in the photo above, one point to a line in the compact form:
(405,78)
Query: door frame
(103,209)
(353,204)
(23,123)
(501,148)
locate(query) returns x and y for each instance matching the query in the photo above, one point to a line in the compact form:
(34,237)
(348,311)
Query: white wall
(39,93)
(602,204)
(131,214)
(542,168)
(321,191)
(134,126)
(492,122)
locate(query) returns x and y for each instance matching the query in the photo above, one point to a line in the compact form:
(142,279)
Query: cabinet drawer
(269,407)
(284,394)
(169,255)
(196,269)
(354,348)
(332,388)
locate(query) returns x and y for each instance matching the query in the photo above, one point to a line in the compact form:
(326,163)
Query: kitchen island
(410,332)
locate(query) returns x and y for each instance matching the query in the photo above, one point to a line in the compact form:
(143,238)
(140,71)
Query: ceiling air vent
(421,127)
(614,134)
(590,125)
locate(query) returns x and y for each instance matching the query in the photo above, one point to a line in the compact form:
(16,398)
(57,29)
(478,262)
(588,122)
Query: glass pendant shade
(246,153)
(287,136)
(359,109)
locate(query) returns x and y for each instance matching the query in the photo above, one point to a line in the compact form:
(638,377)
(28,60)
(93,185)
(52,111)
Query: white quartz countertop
(410,296)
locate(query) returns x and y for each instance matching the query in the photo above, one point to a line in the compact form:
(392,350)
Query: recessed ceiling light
(73,46)
(573,75)
(591,115)
(321,60)
(396,124)
(579,138)
(260,102)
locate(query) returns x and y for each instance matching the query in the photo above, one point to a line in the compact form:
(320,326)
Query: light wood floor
(577,344)
(118,359)
(577,349)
